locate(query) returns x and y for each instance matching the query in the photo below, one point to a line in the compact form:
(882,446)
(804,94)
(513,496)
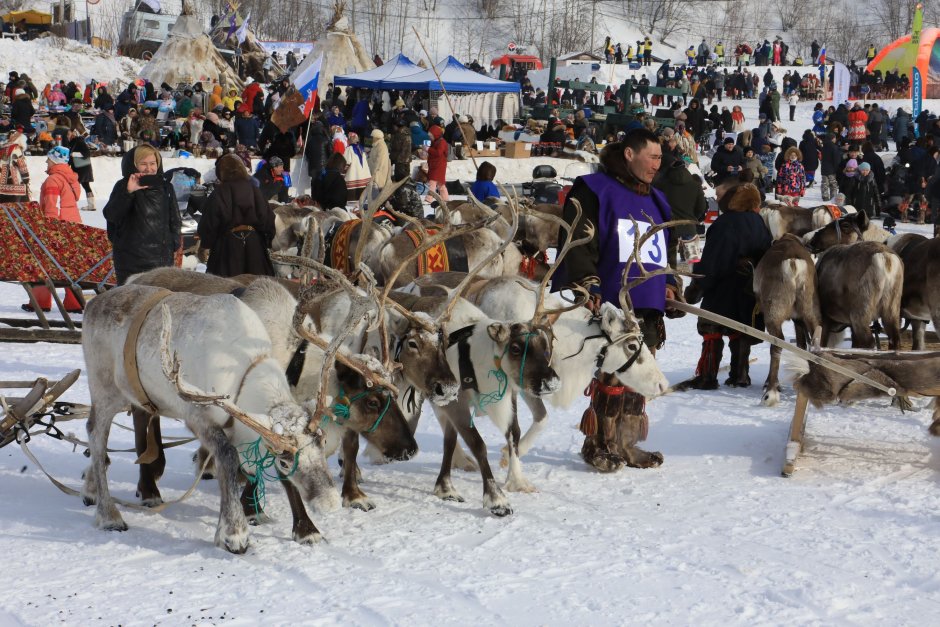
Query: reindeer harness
(130,352)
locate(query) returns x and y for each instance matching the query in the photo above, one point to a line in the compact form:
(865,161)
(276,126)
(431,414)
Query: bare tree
(663,16)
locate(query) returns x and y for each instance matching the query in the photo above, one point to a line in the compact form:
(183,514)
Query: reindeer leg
(303,530)
(539,414)
(892,328)
(918,334)
(232,531)
(631,426)
(444,487)
(515,481)
(772,385)
(935,425)
(352,495)
(95,489)
(251,502)
(147,434)
(460,460)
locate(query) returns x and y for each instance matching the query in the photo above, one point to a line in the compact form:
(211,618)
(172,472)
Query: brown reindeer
(858,284)
(782,219)
(920,300)
(909,374)
(785,286)
(855,227)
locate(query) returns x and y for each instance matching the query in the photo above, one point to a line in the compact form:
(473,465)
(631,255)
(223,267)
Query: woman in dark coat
(237,224)
(79,149)
(143,220)
(736,242)
(809,149)
(330,189)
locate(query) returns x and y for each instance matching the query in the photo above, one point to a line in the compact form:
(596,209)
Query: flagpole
(303,151)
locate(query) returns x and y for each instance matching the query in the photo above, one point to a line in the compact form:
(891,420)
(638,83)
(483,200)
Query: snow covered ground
(714,536)
(49,59)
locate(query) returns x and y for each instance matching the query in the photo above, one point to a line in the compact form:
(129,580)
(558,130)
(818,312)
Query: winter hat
(745,197)
(275,162)
(463,119)
(729,140)
(864,166)
(850,166)
(668,133)
(59,154)
(399,103)
(423,113)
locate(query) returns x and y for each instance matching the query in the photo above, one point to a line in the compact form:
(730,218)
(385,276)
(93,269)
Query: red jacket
(59,194)
(437,156)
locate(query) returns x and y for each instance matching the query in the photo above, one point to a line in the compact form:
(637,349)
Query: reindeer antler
(171,369)
(626,284)
(589,231)
(454,296)
(367,216)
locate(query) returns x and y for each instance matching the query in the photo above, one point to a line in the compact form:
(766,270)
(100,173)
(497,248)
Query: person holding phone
(143,216)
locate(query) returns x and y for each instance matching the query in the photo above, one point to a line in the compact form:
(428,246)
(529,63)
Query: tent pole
(446,95)
(303,150)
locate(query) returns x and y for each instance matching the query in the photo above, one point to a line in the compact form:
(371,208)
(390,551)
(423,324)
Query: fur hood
(230,168)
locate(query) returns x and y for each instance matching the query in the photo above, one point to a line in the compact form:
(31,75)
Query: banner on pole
(840,83)
(916,97)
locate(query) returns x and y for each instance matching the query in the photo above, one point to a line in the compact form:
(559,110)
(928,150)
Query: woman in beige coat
(379,163)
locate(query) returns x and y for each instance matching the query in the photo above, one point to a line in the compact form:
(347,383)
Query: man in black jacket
(270,179)
(317,151)
(829,164)
(727,162)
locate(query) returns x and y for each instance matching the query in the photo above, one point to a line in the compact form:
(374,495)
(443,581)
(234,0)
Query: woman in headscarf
(358,174)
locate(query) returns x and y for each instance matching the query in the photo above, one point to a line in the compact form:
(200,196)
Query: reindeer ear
(397,323)
(499,332)
(861,219)
(610,316)
(347,376)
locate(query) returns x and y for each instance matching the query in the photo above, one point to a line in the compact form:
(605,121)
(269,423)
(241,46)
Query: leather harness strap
(133,374)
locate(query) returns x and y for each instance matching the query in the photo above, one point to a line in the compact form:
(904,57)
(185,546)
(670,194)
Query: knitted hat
(59,154)
(864,165)
(275,162)
(851,163)
(729,140)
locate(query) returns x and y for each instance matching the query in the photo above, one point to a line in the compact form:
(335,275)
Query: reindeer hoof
(117,525)
(501,510)
(256,519)
(152,501)
(770,398)
(903,403)
(234,542)
(935,428)
(448,493)
(110,522)
(362,504)
(310,538)
(88,501)
(520,485)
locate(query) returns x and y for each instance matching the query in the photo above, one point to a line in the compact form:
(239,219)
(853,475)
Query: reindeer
(785,286)
(859,283)
(911,373)
(920,299)
(782,218)
(610,341)
(302,363)
(128,355)
(855,227)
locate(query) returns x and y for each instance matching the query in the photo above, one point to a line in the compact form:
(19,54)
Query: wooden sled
(55,254)
(22,417)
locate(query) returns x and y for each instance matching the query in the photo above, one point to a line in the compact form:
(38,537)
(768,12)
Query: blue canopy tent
(397,68)
(456,78)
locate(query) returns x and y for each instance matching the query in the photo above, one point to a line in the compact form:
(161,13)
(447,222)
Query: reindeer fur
(920,300)
(859,283)
(786,288)
(231,339)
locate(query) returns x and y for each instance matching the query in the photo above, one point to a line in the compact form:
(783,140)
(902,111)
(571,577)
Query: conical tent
(903,55)
(187,56)
(253,56)
(398,67)
(342,54)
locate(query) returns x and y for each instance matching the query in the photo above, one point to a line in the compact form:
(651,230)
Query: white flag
(242,33)
(153,4)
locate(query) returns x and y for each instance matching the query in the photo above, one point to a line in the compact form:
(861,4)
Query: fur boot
(90,203)
(740,373)
(706,373)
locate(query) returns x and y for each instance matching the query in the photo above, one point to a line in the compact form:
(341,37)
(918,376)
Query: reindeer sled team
(389,309)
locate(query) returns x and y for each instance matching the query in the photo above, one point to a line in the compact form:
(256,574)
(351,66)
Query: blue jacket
(484,189)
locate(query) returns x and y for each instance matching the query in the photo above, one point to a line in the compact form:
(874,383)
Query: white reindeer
(223,348)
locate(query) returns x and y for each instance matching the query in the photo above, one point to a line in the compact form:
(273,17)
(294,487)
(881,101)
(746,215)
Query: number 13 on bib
(652,252)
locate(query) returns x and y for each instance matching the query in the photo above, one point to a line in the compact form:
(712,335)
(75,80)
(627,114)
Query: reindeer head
(846,230)
(373,412)
(525,355)
(420,349)
(626,355)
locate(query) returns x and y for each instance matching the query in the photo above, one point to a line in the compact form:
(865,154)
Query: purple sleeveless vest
(617,205)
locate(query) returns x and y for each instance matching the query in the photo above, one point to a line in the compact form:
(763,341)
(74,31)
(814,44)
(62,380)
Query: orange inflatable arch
(903,56)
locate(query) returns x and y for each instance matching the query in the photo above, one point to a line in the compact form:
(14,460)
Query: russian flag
(306,84)
(822,56)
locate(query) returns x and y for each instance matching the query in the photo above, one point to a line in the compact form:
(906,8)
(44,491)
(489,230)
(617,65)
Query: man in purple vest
(609,199)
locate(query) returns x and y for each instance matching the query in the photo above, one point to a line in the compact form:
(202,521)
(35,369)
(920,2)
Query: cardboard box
(518,150)
(484,153)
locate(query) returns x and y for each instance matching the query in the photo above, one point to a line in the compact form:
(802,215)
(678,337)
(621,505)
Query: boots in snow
(90,204)
(740,373)
(706,374)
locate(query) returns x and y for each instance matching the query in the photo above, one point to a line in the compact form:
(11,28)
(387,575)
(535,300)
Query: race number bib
(653,250)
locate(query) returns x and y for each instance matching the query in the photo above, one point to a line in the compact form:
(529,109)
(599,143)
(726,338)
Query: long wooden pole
(446,95)
(775,341)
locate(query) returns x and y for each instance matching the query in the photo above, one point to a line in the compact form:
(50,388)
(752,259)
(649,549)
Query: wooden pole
(775,341)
